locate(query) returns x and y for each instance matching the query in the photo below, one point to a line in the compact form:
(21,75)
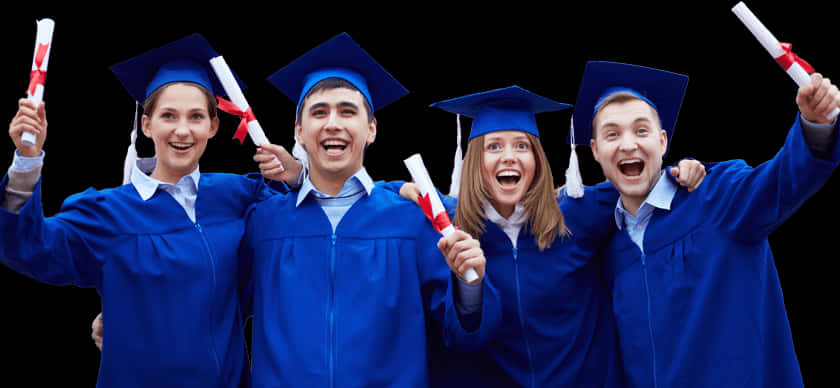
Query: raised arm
(65,249)
(752,202)
(26,167)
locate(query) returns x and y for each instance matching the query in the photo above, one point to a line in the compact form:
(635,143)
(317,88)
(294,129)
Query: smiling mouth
(508,178)
(181,146)
(334,145)
(631,167)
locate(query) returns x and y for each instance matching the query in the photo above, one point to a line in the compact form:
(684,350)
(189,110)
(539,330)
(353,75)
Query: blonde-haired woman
(542,254)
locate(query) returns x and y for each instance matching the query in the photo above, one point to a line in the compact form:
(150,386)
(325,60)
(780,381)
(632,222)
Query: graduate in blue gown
(542,254)
(345,272)
(695,292)
(162,250)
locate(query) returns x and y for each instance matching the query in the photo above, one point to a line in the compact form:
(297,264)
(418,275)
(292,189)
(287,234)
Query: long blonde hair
(545,219)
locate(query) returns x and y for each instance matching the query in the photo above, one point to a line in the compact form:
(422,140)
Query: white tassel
(455,185)
(574,181)
(131,154)
(301,155)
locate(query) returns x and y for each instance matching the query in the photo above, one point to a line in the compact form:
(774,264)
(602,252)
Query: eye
(167,115)
(523,146)
(609,135)
(197,116)
(642,131)
(493,147)
(348,111)
(319,113)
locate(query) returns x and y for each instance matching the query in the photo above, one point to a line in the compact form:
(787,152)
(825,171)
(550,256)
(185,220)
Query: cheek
(488,166)
(529,167)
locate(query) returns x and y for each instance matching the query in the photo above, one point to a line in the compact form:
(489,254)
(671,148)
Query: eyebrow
(173,109)
(613,124)
(342,104)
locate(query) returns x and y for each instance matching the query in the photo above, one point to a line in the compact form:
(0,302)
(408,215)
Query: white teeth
(630,161)
(338,143)
(508,173)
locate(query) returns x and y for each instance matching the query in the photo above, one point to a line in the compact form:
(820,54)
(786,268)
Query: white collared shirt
(185,192)
(511,225)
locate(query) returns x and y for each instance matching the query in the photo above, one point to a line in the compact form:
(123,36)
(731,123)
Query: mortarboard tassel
(574,181)
(131,154)
(455,185)
(301,154)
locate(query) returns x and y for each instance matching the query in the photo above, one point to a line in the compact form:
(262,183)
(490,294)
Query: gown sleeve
(437,282)
(67,248)
(750,203)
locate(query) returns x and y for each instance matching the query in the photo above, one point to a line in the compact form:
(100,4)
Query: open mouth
(181,146)
(631,167)
(508,178)
(334,146)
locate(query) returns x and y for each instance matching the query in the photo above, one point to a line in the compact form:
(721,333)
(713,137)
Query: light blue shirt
(185,192)
(335,207)
(22,163)
(468,298)
(659,198)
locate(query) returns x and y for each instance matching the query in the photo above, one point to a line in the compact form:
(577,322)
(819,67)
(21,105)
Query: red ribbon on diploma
(787,59)
(439,221)
(246,115)
(38,76)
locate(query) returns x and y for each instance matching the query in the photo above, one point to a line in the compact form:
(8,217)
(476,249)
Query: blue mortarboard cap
(663,90)
(338,57)
(186,60)
(510,108)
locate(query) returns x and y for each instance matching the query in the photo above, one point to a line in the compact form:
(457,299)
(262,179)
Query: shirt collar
(660,197)
(360,178)
(517,218)
(146,186)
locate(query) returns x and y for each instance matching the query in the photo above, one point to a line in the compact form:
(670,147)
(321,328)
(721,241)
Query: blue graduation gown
(557,328)
(169,287)
(702,307)
(348,308)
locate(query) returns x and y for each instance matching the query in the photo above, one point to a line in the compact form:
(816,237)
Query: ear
(663,139)
(594,147)
(298,137)
(214,127)
(145,126)
(371,131)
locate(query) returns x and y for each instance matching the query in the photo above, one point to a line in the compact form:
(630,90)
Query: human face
(629,145)
(334,129)
(508,167)
(180,126)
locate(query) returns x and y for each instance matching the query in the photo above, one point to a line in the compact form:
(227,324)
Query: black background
(739,105)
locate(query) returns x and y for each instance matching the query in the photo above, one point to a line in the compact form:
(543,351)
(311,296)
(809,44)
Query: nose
(508,155)
(628,143)
(332,122)
(182,129)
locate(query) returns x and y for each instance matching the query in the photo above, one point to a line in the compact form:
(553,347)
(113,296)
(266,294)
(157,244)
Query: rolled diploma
(771,44)
(255,131)
(424,183)
(42,37)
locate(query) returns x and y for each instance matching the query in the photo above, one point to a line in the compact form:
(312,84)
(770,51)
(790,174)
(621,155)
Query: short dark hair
(329,84)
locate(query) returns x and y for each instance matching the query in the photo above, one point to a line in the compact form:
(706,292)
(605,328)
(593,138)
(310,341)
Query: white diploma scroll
(43,46)
(424,183)
(773,47)
(255,131)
